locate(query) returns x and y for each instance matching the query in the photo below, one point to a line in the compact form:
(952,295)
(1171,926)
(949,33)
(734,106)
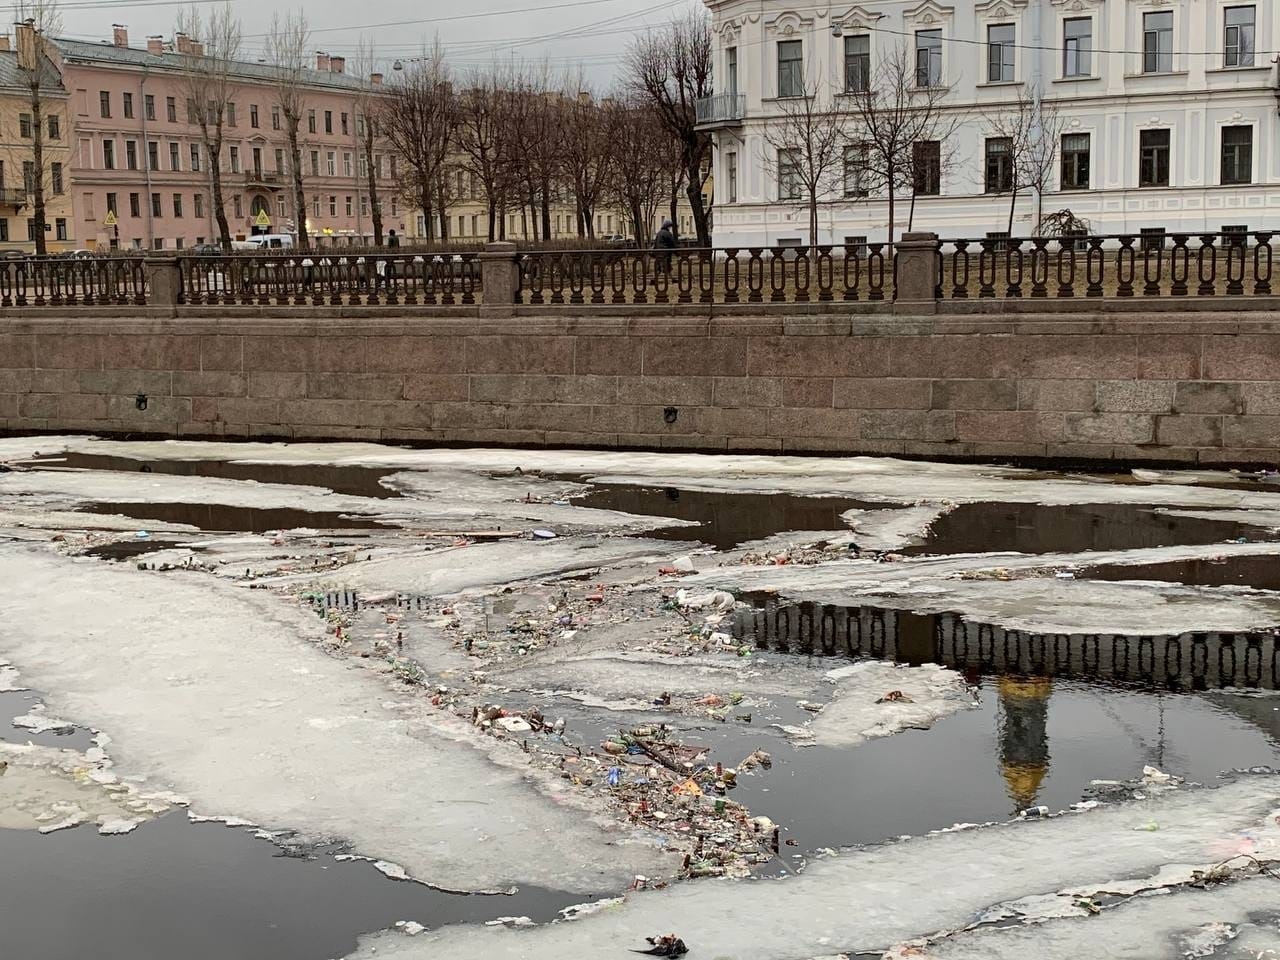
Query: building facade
(138,157)
(1167,112)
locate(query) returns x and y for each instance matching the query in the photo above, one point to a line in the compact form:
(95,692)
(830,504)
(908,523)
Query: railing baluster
(987,269)
(852,271)
(960,271)
(1125,267)
(1012,258)
(1151,278)
(1179,265)
(1207,262)
(1235,251)
(1095,267)
(732,275)
(800,268)
(777,275)
(1039,268)
(875,271)
(1262,264)
(826,274)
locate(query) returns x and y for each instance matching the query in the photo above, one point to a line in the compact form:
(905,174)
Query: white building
(1169,110)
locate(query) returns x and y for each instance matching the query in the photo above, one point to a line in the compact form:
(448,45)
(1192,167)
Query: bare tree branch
(287,47)
(1033,129)
(37,19)
(369,104)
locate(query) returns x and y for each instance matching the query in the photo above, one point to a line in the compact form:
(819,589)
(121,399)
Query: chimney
(337,64)
(375,79)
(197,48)
(182,42)
(155,45)
(5,44)
(27,59)
(120,35)
(584,97)
(322,62)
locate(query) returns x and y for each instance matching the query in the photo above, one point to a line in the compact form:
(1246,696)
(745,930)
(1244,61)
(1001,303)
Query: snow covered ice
(448,698)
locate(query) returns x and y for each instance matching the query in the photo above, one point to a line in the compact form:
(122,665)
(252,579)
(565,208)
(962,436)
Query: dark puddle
(724,520)
(206,892)
(129,549)
(1073,528)
(1259,572)
(231,519)
(1186,662)
(19,703)
(354,481)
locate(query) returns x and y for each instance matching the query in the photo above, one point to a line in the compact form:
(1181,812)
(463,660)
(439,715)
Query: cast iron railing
(63,281)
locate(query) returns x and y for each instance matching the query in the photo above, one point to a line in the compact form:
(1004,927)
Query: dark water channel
(353,481)
(17,704)
(724,520)
(173,889)
(225,518)
(1259,572)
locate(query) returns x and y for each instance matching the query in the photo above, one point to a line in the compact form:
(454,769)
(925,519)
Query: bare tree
(671,69)
(893,118)
(485,138)
(369,101)
(1032,130)
(209,46)
(287,48)
(587,150)
(419,119)
(36,20)
(645,156)
(805,149)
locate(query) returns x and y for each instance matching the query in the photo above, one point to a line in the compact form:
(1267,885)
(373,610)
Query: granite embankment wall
(1177,387)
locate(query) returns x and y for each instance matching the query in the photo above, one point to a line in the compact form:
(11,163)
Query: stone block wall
(1200,388)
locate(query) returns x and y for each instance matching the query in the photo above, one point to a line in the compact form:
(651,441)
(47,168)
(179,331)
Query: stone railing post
(163,280)
(917,271)
(499,279)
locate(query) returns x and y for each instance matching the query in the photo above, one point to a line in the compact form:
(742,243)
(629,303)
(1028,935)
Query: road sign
(263,220)
(111,220)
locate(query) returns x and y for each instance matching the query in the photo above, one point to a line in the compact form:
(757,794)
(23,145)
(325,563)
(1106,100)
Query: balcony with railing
(257,177)
(721,110)
(13,197)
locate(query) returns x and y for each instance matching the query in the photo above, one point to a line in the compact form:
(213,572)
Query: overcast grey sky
(593,33)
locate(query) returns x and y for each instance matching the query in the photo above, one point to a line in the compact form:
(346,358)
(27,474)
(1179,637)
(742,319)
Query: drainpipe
(146,159)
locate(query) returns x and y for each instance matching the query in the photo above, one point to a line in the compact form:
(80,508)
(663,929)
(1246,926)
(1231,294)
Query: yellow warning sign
(262,220)
(111,220)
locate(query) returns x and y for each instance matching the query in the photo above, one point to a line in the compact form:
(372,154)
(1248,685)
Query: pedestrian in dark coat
(664,243)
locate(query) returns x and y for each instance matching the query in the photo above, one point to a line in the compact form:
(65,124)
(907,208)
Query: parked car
(79,255)
(265,241)
(615,240)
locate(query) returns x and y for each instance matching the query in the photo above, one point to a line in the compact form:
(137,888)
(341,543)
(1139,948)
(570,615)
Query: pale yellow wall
(14,150)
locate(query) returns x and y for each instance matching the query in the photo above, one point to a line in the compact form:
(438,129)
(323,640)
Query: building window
(157,210)
(857,63)
(174,154)
(333,205)
(311,121)
(135,204)
(191,111)
(195,157)
(1001,238)
(231,114)
(197,205)
(926,162)
(1237,155)
(788,176)
(855,246)
(344,124)
(31,229)
(1157,42)
(1077,47)
(280,161)
(1153,158)
(108,154)
(315,205)
(275,118)
(1075,161)
(855,172)
(350,207)
(395,207)
(104,103)
(171,109)
(280,205)
(731,70)
(998,174)
(60,228)
(253,116)
(731,175)
(29,176)
(131,154)
(315,163)
(153,155)
(364,205)
(157,243)
(236,206)
(1235,234)
(928,58)
(149,106)
(24,126)
(1241,26)
(790,69)
(1000,53)
(331,163)
(55,177)
(1153,239)
(346,170)
(235,159)
(127,100)
(4,229)
(177,205)
(111,204)
(55,127)
(328,121)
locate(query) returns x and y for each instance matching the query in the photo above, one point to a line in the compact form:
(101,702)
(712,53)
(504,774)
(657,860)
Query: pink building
(136,154)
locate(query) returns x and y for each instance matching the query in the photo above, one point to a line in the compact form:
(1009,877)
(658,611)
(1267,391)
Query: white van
(265,241)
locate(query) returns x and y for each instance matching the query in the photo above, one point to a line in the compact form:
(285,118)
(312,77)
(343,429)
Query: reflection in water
(1189,661)
(1024,736)
(1073,528)
(1259,572)
(226,518)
